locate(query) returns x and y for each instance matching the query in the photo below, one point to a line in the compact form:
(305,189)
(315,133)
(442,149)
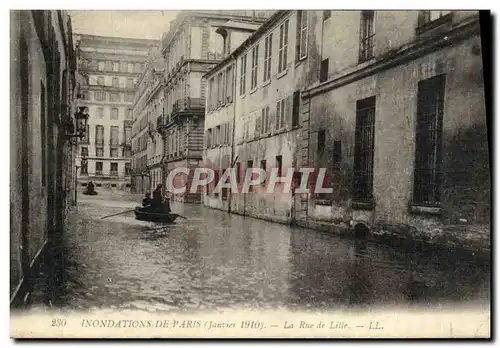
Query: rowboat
(144,215)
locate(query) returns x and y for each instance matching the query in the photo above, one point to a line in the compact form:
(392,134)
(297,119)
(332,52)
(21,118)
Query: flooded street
(215,260)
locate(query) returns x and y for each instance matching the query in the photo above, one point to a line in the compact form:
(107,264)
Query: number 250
(58,322)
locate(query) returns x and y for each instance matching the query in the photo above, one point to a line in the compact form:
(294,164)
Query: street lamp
(81,118)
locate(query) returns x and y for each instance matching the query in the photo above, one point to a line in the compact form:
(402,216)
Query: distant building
(197,40)
(397,121)
(111,67)
(42,174)
(147,144)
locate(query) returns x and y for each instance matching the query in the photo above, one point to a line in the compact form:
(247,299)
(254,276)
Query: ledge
(426,210)
(363,205)
(324,202)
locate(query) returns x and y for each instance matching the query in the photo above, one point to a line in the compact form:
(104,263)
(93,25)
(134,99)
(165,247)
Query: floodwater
(215,260)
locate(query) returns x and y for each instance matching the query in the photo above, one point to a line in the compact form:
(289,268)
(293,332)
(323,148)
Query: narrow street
(215,260)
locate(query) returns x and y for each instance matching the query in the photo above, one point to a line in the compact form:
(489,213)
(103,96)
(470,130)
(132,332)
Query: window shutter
(278,113)
(289,111)
(230,132)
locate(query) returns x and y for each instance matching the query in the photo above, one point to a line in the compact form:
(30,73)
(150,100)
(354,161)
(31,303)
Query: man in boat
(147,200)
(156,201)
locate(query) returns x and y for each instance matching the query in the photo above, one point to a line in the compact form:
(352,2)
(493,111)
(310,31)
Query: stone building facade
(269,74)
(390,104)
(111,67)
(197,40)
(43,93)
(147,146)
(399,121)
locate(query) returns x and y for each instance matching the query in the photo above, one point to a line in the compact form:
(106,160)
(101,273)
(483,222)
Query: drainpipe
(233,159)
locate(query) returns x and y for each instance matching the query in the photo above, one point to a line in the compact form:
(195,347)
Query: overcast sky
(122,23)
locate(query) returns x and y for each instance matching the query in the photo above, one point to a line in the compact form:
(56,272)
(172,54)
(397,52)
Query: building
(111,67)
(147,144)
(197,40)
(261,128)
(42,176)
(397,121)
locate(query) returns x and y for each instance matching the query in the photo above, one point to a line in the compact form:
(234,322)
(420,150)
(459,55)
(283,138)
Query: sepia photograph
(207,173)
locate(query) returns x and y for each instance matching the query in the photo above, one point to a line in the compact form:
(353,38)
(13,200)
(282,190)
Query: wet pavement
(215,260)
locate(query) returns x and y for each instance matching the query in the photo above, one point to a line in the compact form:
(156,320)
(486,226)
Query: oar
(123,212)
(178,215)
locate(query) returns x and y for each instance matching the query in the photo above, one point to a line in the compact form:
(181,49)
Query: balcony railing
(188,104)
(113,173)
(99,141)
(113,142)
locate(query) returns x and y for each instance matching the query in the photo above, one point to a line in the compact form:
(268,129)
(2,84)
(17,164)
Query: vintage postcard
(250,174)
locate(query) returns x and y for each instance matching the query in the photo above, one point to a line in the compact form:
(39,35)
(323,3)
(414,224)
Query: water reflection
(217,260)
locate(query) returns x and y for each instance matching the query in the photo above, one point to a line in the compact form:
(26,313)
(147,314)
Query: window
(425,17)
(323,72)
(99,152)
(367,34)
(428,157)
(243,74)
(268,48)
(229,84)
(100,81)
(108,66)
(137,67)
(113,152)
(211,94)
(84,169)
(280,114)
(264,128)
(123,67)
(327,14)
(219,90)
(114,97)
(130,83)
(84,151)
(301,49)
(99,134)
(99,95)
(296,108)
(100,66)
(98,167)
(337,153)
(127,168)
(250,165)
(115,82)
(114,114)
(130,67)
(321,142)
(263,167)
(129,97)
(279,165)
(86,139)
(113,135)
(128,114)
(363,150)
(116,66)
(255,66)
(282,59)
(114,168)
